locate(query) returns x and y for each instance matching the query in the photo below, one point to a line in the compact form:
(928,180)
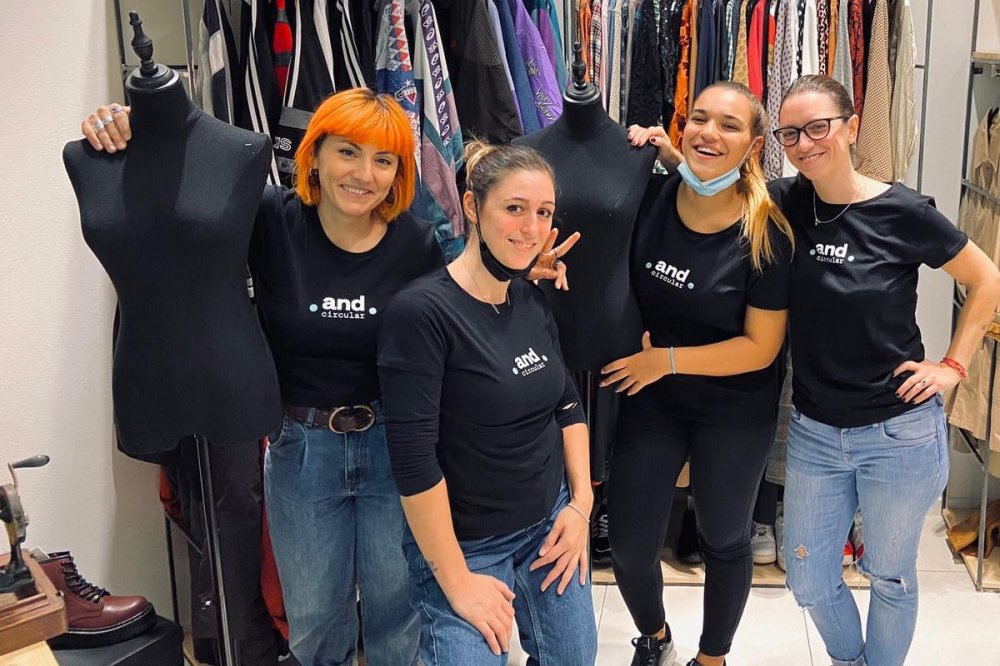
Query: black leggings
(726,468)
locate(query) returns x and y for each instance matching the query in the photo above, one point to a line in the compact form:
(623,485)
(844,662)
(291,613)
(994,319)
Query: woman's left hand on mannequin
(566,546)
(549,266)
(927,379)
(637,371)
(108,128)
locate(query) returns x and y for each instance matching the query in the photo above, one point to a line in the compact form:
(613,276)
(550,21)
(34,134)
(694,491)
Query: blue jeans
(336,527)
(554,630)
(893,470)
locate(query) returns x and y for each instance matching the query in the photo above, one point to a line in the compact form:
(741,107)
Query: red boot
(95,616)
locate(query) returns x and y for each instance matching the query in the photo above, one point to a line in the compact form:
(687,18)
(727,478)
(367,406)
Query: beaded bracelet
(956,366)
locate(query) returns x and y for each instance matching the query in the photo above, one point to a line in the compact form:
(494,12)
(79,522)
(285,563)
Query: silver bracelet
(673,368)
(582,515)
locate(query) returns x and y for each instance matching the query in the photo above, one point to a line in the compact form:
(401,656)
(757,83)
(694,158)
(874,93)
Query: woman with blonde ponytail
(710,262)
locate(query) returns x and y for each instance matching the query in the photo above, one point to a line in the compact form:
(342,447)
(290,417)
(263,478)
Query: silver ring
(107,120)
(923,382)
(558,263)
(98,125)
(116,108)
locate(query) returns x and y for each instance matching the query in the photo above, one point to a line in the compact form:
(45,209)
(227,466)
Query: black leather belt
(340,420)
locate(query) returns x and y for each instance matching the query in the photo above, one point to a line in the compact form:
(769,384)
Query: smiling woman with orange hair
(326,258)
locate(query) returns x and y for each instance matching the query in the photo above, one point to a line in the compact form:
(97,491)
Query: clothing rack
(985,573)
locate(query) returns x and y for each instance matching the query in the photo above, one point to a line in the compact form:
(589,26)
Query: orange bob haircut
(361,116)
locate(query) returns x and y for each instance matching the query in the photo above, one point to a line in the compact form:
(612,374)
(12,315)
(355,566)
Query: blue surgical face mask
(709,188)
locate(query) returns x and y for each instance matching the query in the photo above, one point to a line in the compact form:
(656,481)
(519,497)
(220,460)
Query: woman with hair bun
(487,436)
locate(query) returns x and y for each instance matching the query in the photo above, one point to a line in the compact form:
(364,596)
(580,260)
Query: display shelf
(991,564)
(678,573)
(986,58)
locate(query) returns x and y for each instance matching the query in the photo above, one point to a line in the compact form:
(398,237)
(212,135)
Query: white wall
(56,308)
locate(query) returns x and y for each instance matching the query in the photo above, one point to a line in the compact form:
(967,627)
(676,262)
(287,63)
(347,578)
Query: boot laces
(78,585)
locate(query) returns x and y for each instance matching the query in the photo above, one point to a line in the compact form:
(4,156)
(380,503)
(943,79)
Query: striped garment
(441,136)
(262,107)
(216,55)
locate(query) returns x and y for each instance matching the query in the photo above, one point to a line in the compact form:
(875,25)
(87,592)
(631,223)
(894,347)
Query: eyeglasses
(816,130)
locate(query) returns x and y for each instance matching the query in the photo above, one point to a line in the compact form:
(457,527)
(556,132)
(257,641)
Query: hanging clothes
(979,217)
(262,104)
(741,59)
(349,70)
(498,37)
(873,150)
(282,44)
(671,12)
(598,44)
(732,22)
(584,17)
(615,43)
(903,56)
(522,87)
(541,77)
(842,70)
(628,38)
(216,60)
(780,77)
(708,46)
(757,50)
(310,70)
(441,136)
(823,34)
(856,36)
(692,78)
(809,39)
(484,91)
(645,92)
(834,22)
(543,15)
(365,18)
(394,67)
(679,118)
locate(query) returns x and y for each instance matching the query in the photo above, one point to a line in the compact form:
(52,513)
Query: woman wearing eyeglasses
(868,427)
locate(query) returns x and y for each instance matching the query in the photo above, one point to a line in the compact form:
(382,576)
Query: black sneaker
(652,651)
(600,544)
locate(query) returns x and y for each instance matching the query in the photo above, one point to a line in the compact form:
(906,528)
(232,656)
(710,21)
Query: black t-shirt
(693,289)
(321,306)
(854,297)
(479,398)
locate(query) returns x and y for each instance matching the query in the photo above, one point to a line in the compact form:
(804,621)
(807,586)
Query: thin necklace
(486,298)
(835,217)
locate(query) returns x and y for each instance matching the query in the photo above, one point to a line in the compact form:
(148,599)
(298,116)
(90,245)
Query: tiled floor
(957,626)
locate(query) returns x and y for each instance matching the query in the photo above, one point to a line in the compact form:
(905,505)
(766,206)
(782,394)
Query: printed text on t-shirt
(831,254)
(525,364)
(343,308)
(671,274)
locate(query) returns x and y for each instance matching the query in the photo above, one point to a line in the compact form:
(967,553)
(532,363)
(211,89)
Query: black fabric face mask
(498,270)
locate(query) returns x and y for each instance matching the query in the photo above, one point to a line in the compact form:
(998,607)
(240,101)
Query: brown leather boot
(96,617)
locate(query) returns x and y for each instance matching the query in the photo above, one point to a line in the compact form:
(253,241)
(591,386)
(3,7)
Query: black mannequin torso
(600,182)
(170,220)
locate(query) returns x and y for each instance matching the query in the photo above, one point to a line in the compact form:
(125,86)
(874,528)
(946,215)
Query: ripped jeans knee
(889,585)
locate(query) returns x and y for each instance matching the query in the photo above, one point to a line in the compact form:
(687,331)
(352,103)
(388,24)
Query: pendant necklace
(485,298)
(835,217)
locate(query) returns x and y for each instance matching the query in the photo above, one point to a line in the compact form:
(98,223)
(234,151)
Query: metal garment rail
(976,61)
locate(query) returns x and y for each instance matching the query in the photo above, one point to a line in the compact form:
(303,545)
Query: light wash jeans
(336,525)
(893,470)
(554,630)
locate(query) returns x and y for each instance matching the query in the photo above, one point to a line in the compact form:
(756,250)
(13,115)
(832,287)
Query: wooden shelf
(678,573)
(985,57)
(991,565)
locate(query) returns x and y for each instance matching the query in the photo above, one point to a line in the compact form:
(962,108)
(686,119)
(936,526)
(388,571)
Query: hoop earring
(390,198)
(313,177)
